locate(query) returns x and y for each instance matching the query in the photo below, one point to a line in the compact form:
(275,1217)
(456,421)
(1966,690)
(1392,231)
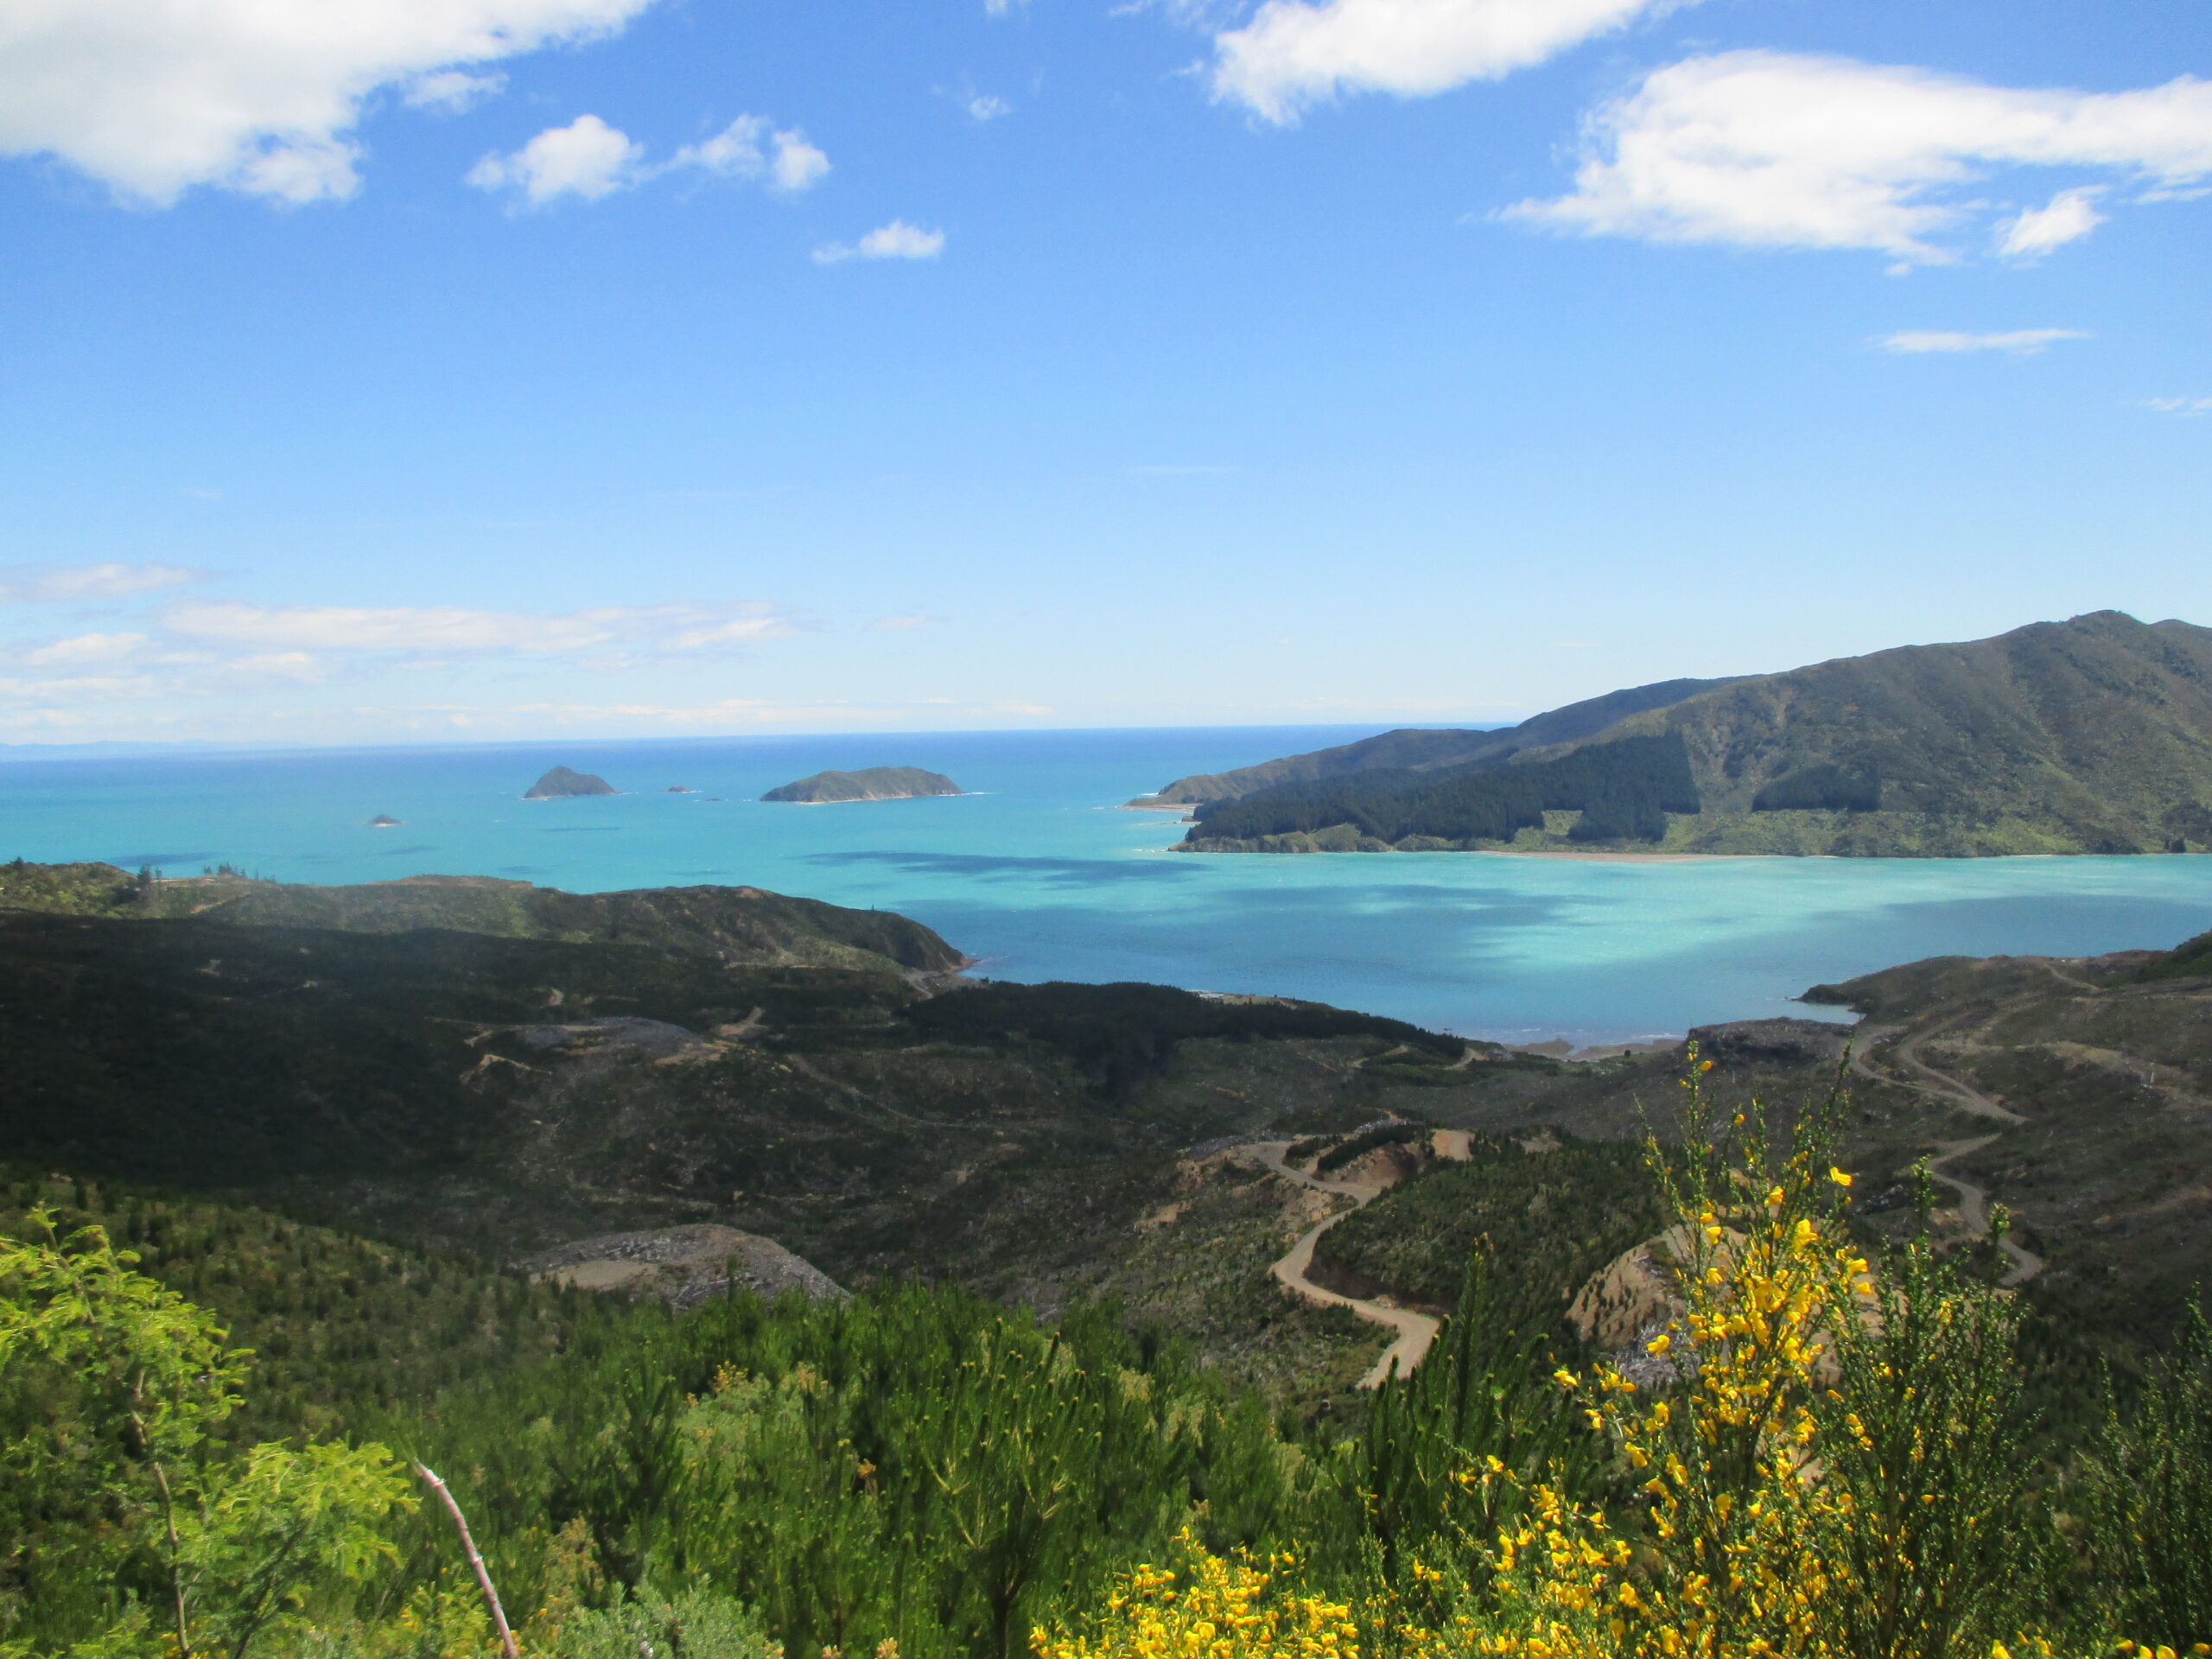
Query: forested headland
(2090,735)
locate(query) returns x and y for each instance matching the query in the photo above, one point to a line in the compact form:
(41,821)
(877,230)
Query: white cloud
(268,668)
(153,97)
(2072,214)
(740,631)
(1293,53)
(2183,406)
(448,631)
(798,165)
(453,91)
(2022,342)
(61,585)
(897,240)
(586,158)
(734,152)
(1768,149)
(901,624)
(88,648)
(986,106)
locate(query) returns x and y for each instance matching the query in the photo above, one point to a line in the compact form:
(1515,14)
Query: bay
(1041,874)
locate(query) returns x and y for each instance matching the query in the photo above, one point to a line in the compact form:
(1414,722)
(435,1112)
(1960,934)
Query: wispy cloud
(897,240)
(452,91)
(1293,53)
(748,149)
(449,631)
(900,623)
(1768,149)
(88,648)
(588,159)
(66,584)
(2183,406)
(2071,215)
(2021,342)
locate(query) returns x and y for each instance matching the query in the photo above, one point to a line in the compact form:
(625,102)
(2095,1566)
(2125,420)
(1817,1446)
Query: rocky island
(872,784)
(561,783)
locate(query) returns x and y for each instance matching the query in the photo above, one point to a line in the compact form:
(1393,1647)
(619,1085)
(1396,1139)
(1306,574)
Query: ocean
(1041,874)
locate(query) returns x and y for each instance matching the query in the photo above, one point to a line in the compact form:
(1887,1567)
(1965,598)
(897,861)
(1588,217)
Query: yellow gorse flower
(1206,1607)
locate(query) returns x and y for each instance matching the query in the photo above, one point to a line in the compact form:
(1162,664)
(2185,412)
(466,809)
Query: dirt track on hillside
(1416,1331)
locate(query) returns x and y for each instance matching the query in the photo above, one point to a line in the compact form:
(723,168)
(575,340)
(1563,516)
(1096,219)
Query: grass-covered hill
(743,926)
(2092,735)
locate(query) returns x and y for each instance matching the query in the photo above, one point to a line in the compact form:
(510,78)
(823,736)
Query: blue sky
(511,368)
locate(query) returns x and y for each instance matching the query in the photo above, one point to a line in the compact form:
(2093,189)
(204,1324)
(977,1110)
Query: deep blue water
(1042,875)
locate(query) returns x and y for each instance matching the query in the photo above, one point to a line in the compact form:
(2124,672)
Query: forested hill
(738,926)
(1413,749)
(2091,735)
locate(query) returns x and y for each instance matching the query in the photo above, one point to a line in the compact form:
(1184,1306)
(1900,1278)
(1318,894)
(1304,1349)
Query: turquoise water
(1042,876)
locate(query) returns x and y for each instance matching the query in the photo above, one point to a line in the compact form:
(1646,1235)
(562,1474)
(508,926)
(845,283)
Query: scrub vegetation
(1908,1364)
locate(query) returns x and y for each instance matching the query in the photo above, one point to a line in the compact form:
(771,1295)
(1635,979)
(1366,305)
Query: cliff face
(872,784)
(2091,735)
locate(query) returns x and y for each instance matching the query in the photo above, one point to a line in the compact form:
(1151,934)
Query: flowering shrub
(1207,1607)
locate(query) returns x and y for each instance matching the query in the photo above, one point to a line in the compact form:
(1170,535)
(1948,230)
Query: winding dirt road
(1416,1331)
(1923,1078)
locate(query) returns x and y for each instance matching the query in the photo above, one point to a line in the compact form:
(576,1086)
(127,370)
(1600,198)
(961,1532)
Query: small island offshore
(561,783)
(870,783)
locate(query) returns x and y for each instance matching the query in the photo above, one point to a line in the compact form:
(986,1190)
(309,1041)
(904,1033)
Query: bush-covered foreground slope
(1846,1468)
(507,1096)
(2091,735)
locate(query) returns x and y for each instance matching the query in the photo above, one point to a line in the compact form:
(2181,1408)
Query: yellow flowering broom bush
(1207,1607)
(1835,1470)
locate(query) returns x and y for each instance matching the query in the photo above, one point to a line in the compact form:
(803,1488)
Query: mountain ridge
(2090,735)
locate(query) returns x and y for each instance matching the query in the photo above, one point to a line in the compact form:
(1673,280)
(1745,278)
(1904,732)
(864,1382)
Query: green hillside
(2093,735)
(1416,749)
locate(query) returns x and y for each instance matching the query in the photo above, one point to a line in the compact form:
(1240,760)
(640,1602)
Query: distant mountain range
(2091,735)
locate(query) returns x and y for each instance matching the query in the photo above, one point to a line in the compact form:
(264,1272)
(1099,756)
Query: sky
(392,371)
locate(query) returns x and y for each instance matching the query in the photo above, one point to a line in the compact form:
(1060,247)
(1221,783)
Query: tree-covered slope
(2088,735)
(2092,735)
(1417,750)
(745,925)
(1618,792)
(514,1094)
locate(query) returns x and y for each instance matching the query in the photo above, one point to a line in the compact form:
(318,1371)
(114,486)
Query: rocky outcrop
(684,1266)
